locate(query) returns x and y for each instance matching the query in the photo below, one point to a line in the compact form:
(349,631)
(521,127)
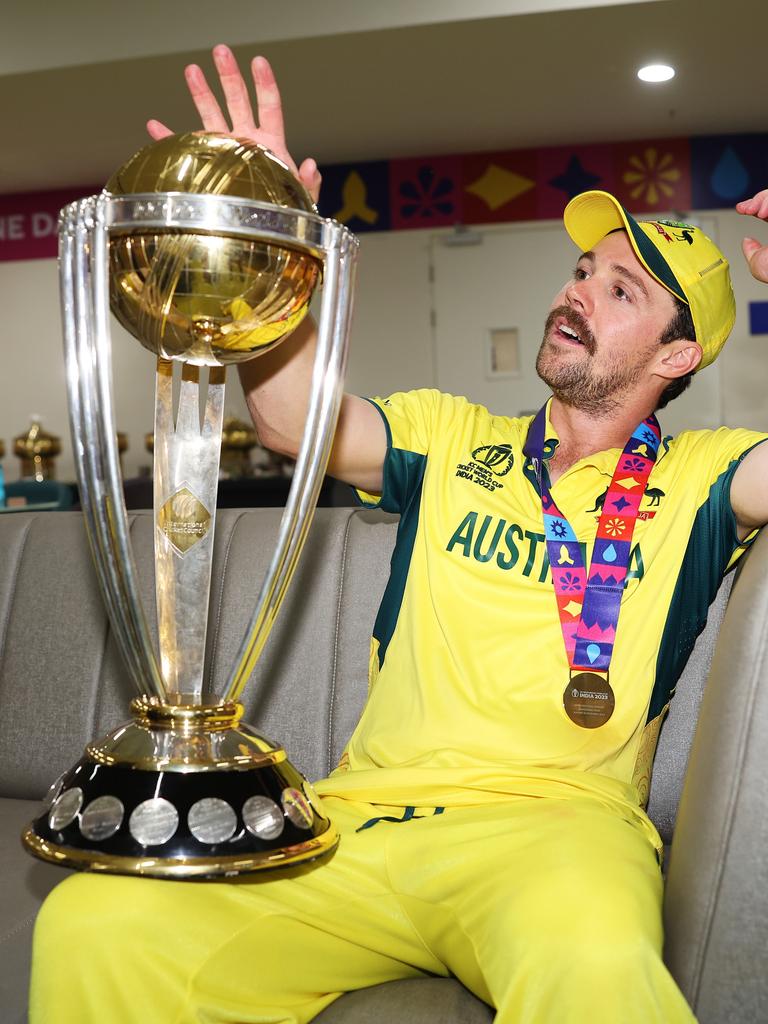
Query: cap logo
(685,230)
(660,229)
(678,224)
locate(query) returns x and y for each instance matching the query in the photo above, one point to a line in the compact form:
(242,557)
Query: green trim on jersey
(710,548)
(403,476)
(401,494)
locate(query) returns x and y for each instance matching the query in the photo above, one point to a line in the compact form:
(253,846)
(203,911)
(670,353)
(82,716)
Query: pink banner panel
(653,174)
(28,222)
(564,171)
(499,186)
(425,193)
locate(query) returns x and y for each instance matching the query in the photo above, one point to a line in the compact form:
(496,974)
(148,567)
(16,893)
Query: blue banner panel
(357,195)
(727,168)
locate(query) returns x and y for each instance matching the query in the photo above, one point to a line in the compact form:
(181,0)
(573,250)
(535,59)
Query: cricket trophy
(207,250)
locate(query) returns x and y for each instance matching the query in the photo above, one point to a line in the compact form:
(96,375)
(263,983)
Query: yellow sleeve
(414,421)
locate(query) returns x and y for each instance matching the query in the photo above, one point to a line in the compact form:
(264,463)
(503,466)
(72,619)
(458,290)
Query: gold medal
(588,699)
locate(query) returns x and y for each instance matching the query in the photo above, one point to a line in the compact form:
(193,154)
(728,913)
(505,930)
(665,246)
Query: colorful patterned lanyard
(589,603)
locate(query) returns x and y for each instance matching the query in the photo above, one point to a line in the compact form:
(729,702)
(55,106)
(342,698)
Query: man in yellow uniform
(491,798)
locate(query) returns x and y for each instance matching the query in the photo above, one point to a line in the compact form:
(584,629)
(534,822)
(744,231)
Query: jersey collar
(604,462)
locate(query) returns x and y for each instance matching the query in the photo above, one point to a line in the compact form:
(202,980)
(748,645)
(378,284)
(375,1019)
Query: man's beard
(577,384)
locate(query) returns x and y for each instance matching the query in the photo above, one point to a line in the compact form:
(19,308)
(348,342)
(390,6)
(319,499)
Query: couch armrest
(716,910)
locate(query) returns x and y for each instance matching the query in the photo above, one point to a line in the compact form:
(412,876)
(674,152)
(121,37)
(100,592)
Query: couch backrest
(716,906)
(62,681)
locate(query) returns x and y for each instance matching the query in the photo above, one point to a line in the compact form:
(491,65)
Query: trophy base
(181,792)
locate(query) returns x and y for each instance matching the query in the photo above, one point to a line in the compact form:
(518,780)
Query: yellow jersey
(468,664)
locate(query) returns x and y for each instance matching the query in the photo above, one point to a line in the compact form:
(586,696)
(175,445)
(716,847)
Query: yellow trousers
(547,909)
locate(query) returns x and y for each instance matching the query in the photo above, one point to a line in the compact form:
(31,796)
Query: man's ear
(677,358)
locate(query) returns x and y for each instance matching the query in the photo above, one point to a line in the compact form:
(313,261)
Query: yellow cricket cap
(679,256)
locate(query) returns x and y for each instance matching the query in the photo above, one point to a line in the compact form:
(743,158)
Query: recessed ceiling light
(656,73)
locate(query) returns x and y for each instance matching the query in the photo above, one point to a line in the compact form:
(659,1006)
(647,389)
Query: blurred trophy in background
(37,450)
(208,251)
(238,439)
(122,448)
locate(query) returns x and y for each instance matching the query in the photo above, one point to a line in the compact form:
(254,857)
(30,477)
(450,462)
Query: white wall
(508,280)
(395,345)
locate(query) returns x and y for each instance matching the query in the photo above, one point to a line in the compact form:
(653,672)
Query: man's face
(603,328)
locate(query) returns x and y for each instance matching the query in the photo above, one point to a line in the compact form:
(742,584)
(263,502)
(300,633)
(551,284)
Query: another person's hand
(269,132)
(756,254)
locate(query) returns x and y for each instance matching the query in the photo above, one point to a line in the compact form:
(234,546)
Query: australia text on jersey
(508,546)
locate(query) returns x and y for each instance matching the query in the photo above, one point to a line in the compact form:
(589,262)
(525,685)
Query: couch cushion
(24,884)
(290,694)
(415,1001)
(53,645)
(678,729)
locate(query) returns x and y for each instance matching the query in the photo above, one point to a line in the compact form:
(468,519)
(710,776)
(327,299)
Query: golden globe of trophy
(207,250)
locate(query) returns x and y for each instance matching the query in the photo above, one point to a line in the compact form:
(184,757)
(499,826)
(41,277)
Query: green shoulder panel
(401,494)
(711,545)
(403,480)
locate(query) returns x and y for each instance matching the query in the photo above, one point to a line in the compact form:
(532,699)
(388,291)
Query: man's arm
(749,489)
(277,384)
(277,387)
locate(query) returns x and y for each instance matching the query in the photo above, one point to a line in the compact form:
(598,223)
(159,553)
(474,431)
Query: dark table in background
(248,492)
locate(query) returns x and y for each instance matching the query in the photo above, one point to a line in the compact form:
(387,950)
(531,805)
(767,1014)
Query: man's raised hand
(269,131)
(755,253)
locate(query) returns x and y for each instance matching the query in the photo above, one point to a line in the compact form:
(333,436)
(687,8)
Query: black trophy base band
(271,811)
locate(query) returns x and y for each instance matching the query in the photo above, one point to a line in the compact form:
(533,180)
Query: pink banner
(28,222)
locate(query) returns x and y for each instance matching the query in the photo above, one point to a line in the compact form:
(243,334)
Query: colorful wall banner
(649,175)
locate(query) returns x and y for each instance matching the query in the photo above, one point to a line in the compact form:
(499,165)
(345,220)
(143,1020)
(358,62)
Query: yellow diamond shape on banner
(184,520)
(573,608)
(496,186)
(628,482)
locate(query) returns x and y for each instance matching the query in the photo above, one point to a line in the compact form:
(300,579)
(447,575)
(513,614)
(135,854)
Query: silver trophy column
(186,789)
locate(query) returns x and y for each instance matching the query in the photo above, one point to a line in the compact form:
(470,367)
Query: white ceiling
(73,31)
(368,80)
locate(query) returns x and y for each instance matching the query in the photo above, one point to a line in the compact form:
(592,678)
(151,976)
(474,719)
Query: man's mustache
(576,322)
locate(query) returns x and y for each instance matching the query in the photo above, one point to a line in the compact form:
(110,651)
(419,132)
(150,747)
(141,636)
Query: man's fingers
(269,131)
(235,91)
(749,246)
(310,177)
(757,206)
(157,130)
(205,102)
(269,104)
(756,256)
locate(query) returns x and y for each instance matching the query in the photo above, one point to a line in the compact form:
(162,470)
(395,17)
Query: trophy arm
(340,247)
(85,315)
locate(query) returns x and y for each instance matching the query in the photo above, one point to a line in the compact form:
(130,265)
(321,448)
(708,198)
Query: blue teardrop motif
(730,178)
(593,653)
(609,555)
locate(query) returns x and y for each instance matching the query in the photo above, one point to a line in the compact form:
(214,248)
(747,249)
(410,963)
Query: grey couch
(61,682)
